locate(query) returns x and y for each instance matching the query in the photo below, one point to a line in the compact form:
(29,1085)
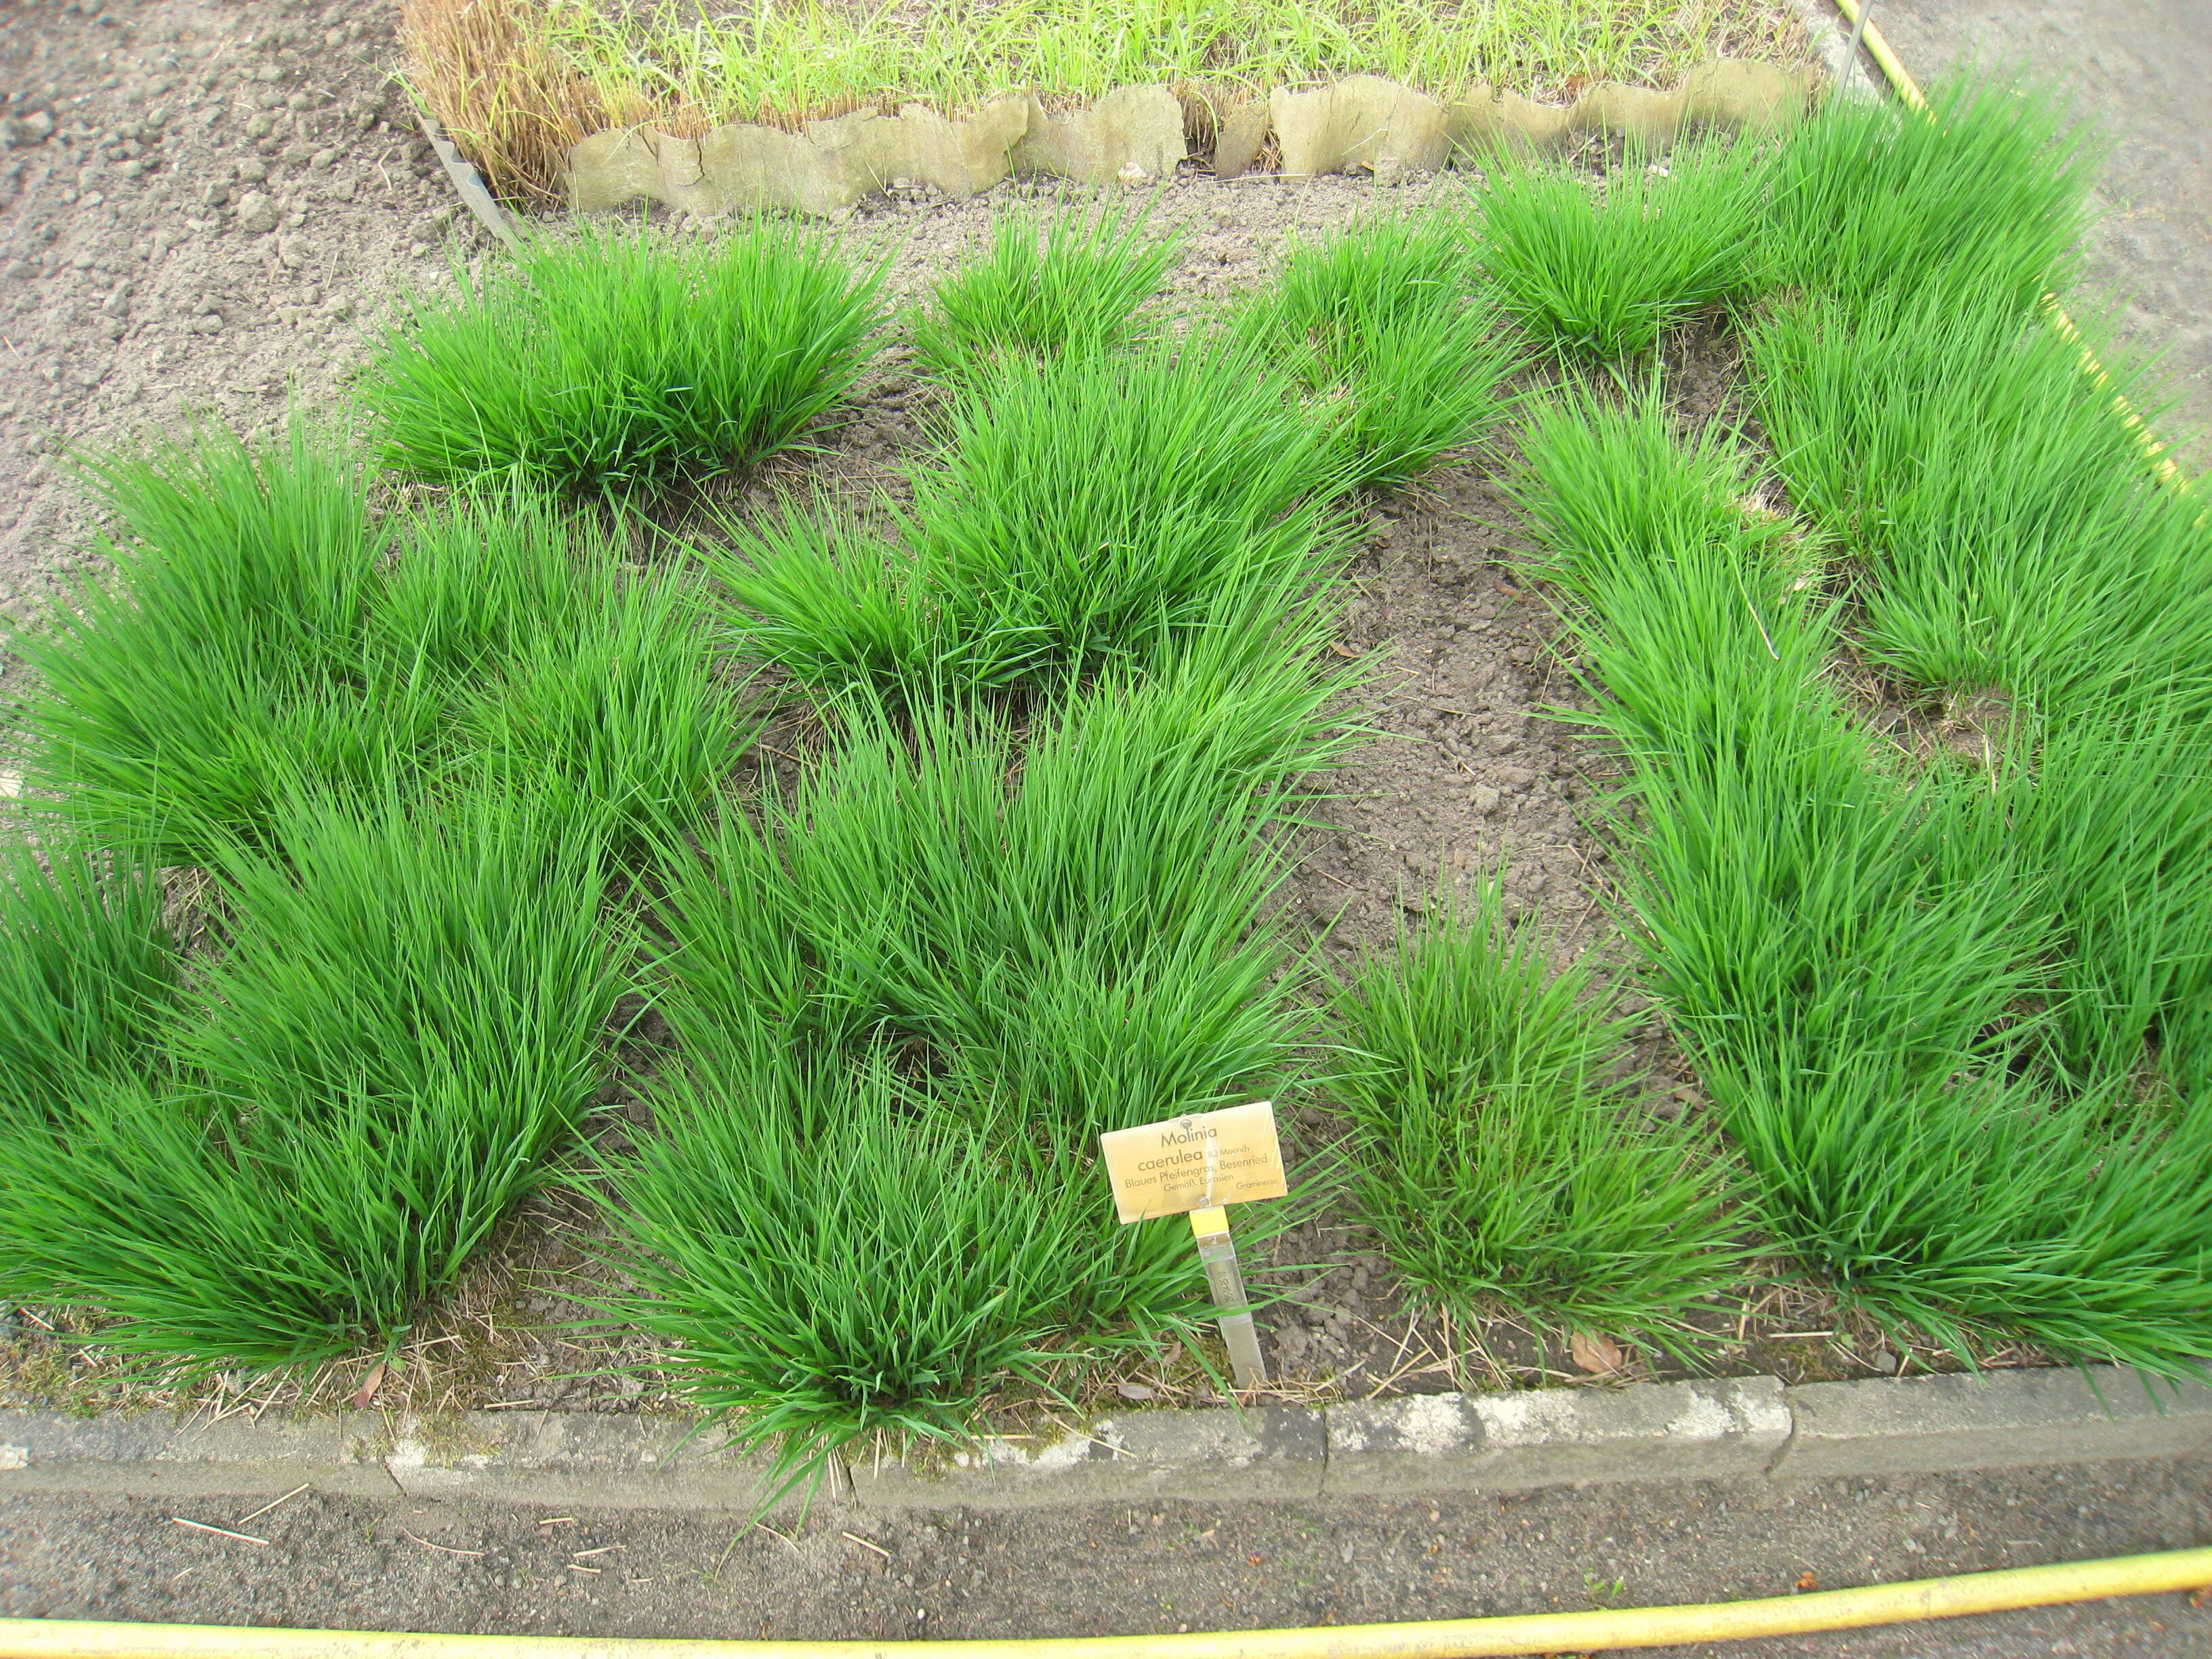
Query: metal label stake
(1858,34)
(1216,1251)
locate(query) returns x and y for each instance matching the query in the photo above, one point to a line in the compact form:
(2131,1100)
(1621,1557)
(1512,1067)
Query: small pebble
(257,214)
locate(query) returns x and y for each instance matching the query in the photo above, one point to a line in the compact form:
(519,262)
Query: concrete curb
(1426,1444)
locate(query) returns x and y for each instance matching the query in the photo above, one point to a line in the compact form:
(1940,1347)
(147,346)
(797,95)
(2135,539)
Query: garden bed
(1367,844)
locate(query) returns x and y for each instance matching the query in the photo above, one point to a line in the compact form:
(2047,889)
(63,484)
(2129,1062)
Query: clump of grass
(625,721)
(516,81)
(88,975)
(608,359)
(2113,809)
(406,1022)
(559,663)
(1500,1157)
(1604,274)
(263,637)
(476,581)
(227,658)
(1084,516)
(1082,940)
(822,597)
(2014,534)
(880,1268)
(1063,282)
(1382,319)
(1986,192)
(1858,959)
(908,998)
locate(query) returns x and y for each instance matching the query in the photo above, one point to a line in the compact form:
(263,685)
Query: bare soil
(202,209)
(206,210)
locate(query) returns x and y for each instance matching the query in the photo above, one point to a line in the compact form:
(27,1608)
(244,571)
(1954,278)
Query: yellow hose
(1442,1638)
(2163,465)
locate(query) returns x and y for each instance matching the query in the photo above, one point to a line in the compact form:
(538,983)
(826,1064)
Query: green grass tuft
(908,997)
(868,1261)
(406,1022)
(2113,809)
(625,720)
(1053,284)
(609,358)
(261,639)
(1499,1160)
(1382,320)
(2012,535)
(1985,194)
(1604,273)
(1084,517)
(88,975)
(228,657)
(823,598)
(1084,943)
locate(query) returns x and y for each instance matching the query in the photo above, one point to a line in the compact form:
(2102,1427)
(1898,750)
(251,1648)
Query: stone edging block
(1734,1427)
(1274,1451)
(1139,135)
(1556,1436)
(2000,1420)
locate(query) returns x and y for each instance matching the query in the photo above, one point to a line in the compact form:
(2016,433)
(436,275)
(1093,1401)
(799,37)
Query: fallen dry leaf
(370,1384)
(1596,1353)
(1133,1391)
(1341,649)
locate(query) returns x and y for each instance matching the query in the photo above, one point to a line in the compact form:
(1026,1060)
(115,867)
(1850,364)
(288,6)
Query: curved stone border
(1136,134)
(1437,1445)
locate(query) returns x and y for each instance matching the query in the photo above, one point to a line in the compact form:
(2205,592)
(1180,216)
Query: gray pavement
(398,1563)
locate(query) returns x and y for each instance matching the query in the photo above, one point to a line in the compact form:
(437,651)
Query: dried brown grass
(488,71)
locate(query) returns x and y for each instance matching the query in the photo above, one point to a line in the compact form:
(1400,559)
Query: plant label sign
(1197,1163)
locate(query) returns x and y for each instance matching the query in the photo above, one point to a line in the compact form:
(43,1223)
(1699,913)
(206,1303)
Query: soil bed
(141,297)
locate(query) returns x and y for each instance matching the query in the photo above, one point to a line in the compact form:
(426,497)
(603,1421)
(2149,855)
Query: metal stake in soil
(1858,34)
(1217,1251)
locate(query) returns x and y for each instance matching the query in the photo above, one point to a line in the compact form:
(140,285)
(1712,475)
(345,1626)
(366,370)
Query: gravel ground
(417,1565)
(201,206)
